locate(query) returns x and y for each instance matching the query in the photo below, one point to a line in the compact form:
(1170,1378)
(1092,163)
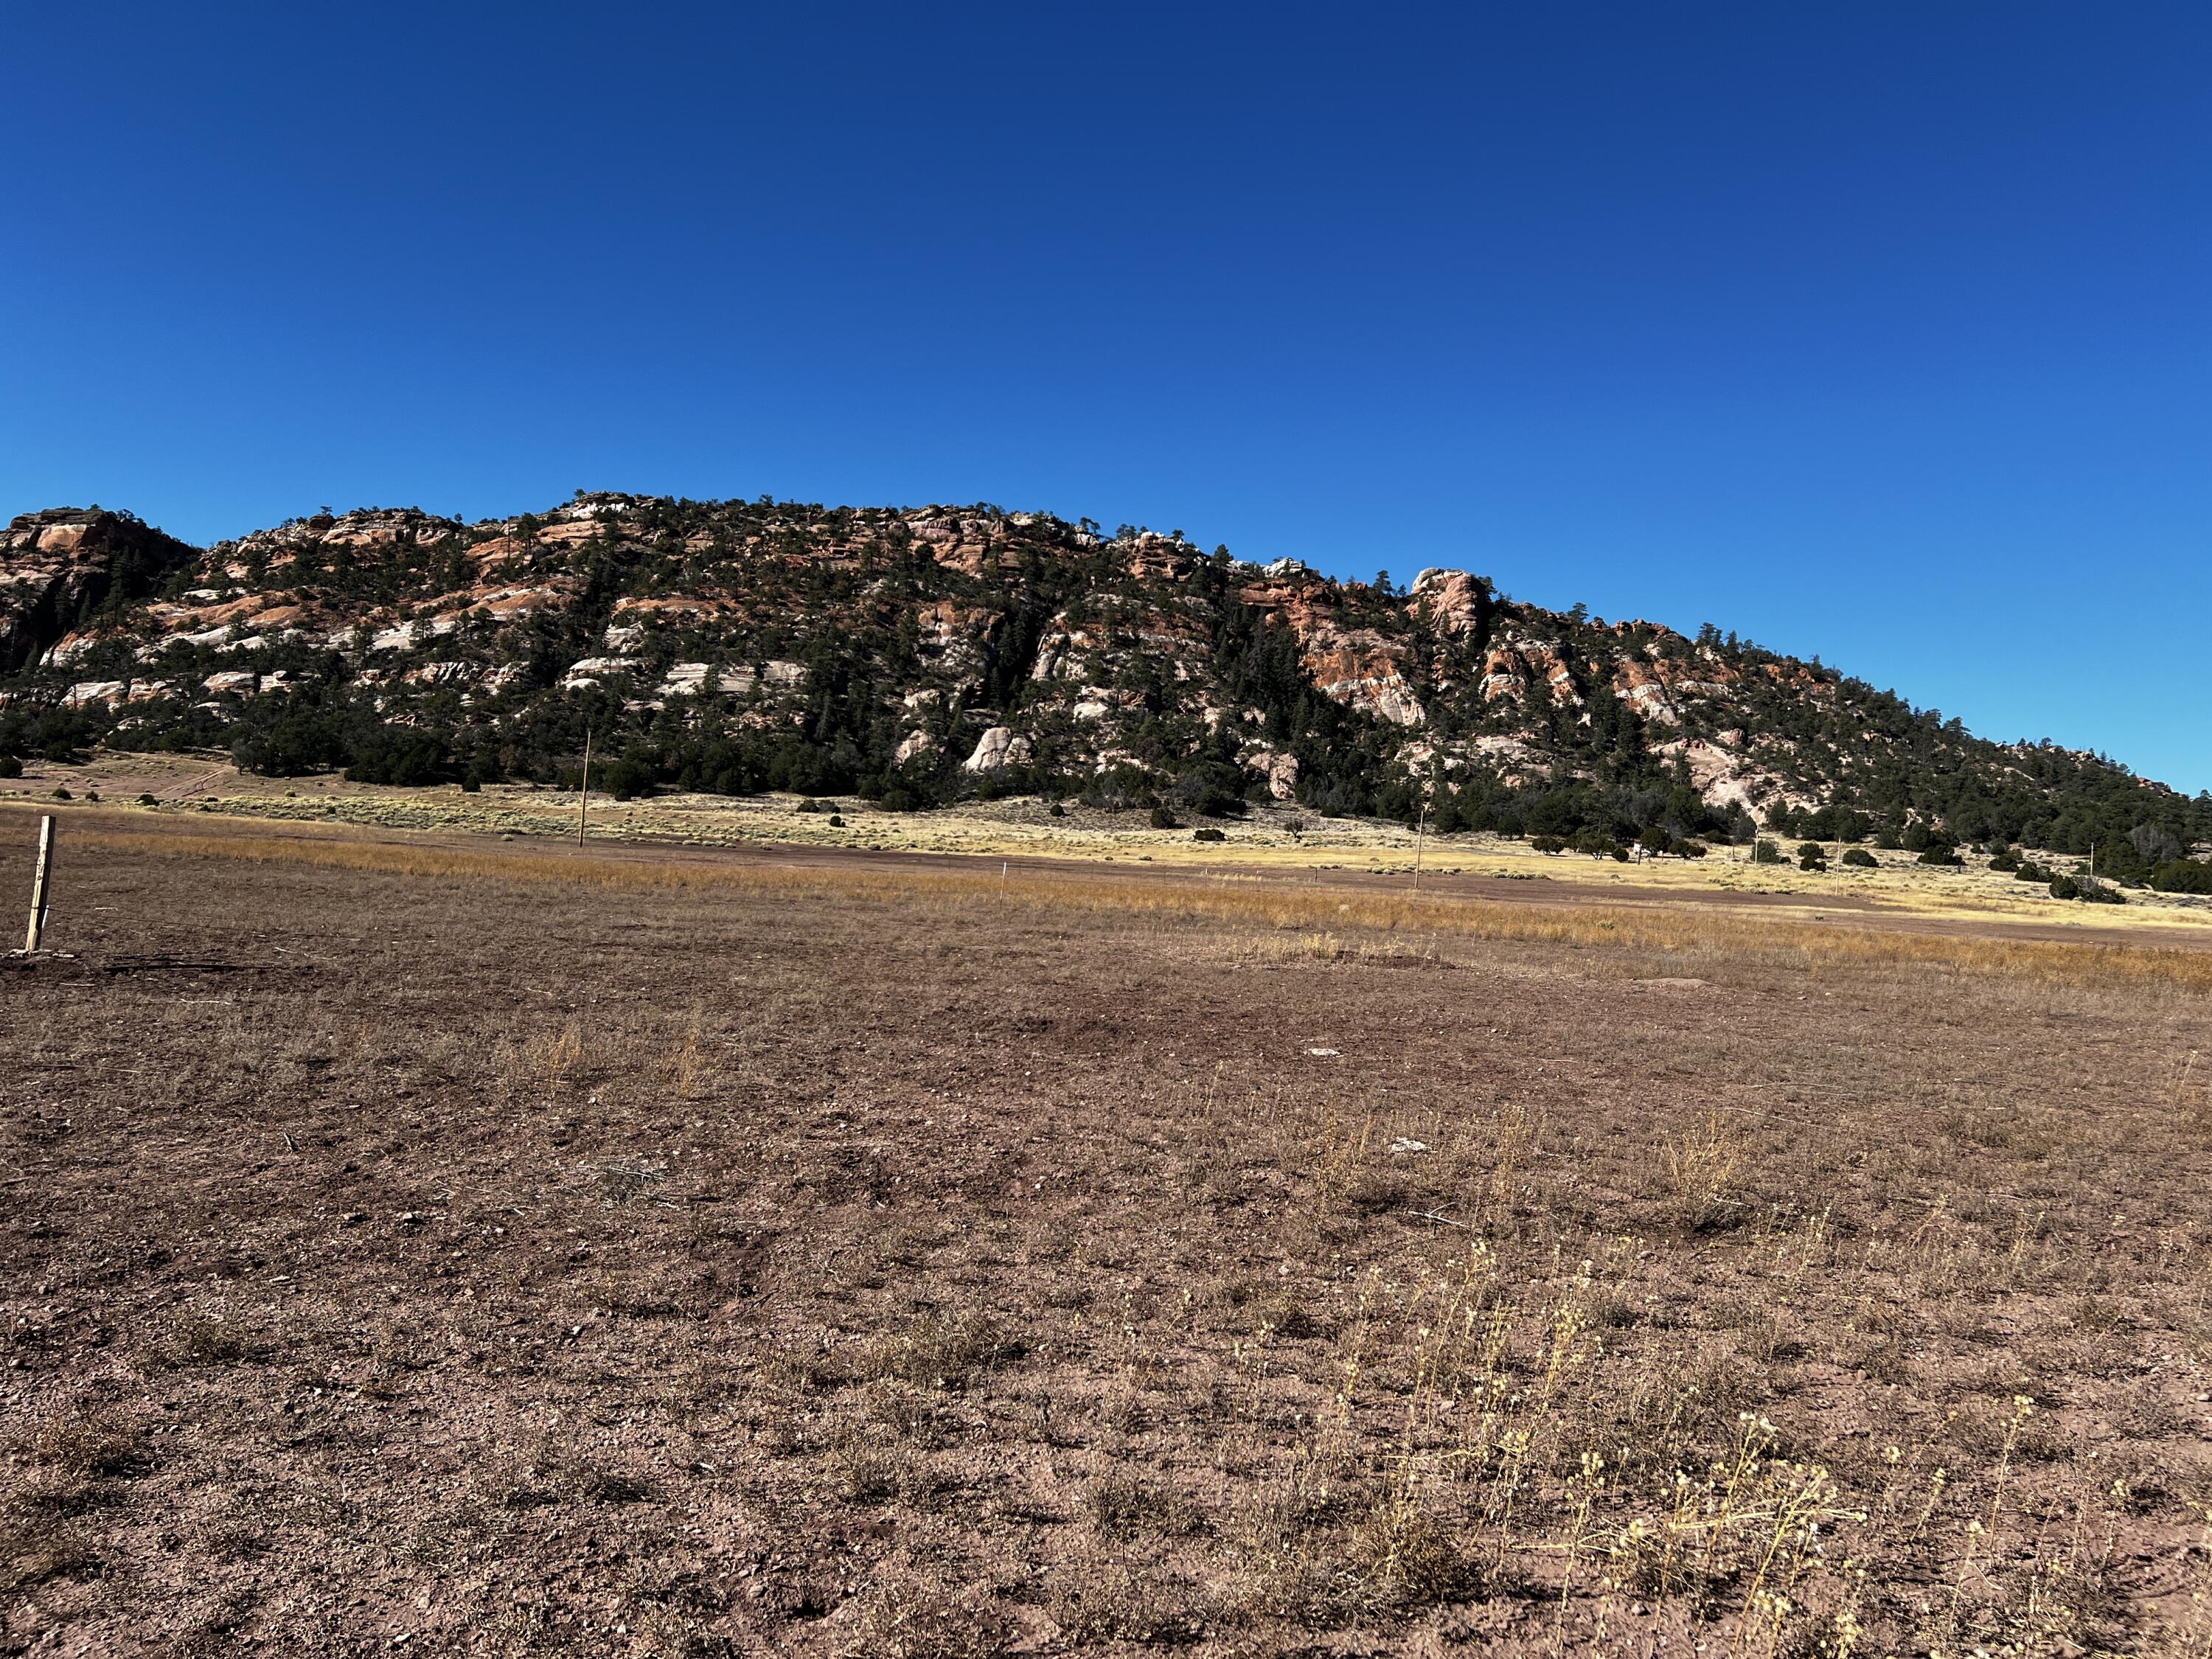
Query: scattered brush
(1121,1505)
(200,1340)
(87,1444)
(1701,1166)
(915,1619)
(945,1349)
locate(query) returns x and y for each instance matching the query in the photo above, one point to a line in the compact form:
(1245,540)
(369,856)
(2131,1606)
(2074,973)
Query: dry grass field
(1282,839)
(461,1245)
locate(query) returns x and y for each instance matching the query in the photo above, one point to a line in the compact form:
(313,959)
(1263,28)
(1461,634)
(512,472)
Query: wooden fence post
(41,884)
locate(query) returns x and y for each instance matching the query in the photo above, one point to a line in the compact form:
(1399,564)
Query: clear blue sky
(1878,332)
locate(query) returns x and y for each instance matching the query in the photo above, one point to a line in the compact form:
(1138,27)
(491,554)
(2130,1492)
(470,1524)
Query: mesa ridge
(916,656)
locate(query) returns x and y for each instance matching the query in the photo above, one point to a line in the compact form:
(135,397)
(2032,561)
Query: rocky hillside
(916,655)
(59,568)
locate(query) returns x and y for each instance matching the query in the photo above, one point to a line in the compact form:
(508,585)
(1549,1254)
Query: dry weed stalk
(1981,1534)
(563,1050)
(1517,1139)
(2192,1100)
(2194,1636)
(679,1072)
(1700,1165)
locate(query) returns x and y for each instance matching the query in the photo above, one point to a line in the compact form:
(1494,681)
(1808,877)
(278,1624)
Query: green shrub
(1216,791)
(61,792)
(2005,860)
(1056,811)
(810,805)
(628,778)
(1163,818)
(1858,858)
(398,755)
(1620,852)
(1942,853)
(1687,849)
(10,767)
(1208,833)
(2182,876)
(1766,852)
(2086,888)
(1833,824)
(1547,844)
(1812,856)
(836,821)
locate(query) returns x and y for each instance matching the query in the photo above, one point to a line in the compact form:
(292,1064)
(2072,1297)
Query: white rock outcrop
(1280,771)
(999,747)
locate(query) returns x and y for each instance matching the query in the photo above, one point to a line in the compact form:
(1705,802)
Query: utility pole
(1421,828)
(584,800)
(41,884)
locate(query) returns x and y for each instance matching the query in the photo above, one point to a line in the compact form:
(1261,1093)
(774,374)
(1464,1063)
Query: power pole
(584,800)
(1421,828)
(41,884)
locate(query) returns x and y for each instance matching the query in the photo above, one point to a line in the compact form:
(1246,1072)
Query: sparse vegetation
(1701,1166)
(1132,1251)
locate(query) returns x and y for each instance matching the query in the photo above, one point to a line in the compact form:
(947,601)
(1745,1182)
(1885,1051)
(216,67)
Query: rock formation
(740,645)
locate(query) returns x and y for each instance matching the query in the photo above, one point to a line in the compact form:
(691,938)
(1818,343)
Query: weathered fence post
(41,884)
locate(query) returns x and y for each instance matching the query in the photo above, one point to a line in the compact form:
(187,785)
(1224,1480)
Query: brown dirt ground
(451,1264)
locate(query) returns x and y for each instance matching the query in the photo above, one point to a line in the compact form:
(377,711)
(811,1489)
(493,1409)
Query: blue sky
(1878,333)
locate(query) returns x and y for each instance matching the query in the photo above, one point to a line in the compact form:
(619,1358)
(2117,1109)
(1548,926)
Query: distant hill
(917,655)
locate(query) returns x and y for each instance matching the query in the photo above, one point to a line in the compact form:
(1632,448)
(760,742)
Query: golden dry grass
(1259,903)
(1274,842)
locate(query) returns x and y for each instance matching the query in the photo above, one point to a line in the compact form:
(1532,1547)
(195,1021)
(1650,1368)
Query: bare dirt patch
(506,1260)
